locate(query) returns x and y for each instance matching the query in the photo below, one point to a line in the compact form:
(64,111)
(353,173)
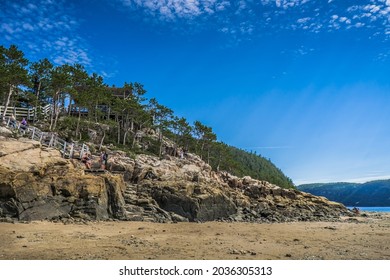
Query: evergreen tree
(40,77)
(13,72)
(205,136)
(79,92)
(162,119)
(60,84)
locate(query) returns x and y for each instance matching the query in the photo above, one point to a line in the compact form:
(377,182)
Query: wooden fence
(27,113)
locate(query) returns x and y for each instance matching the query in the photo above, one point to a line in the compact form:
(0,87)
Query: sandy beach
(366,238)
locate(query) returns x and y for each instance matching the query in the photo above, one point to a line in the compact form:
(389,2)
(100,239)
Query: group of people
(13,123)
(103,160)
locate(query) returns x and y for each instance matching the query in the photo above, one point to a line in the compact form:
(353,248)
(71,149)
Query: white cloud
(8,28)
(249,18)
(304,20)
(221,6)
(45,28)
(176,9)
(343,19)
(28,26)
(359,24)
(286,4)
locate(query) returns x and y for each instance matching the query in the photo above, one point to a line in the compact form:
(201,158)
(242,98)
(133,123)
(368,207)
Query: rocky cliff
(36,183)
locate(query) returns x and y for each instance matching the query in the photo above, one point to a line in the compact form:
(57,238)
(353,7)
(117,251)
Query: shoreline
(364,237)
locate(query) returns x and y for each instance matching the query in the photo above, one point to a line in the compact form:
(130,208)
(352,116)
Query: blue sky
(305,83)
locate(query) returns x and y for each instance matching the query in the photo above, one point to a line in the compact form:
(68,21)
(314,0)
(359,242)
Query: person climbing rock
(87,160)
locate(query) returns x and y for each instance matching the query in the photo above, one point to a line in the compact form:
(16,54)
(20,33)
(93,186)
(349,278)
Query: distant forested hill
(374,193)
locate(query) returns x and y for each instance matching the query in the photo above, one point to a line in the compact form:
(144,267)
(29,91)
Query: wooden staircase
(49,139)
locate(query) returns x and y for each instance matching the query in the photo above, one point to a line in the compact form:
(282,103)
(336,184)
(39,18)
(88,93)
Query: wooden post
(33,133)
(51,140)
(82,151)
(71,151)
(64,150)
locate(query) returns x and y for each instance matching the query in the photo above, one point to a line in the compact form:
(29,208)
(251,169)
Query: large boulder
(37,183)
(193,201)
(5,132)
(189,188)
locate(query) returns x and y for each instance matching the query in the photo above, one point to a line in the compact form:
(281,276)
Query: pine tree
(13,72)
(40,78)
(60,84)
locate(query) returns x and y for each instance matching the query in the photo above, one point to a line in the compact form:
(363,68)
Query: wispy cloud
(44,27)
(174,9)
(248,18)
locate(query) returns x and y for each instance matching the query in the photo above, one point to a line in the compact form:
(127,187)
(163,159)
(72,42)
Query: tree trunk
(11,89)
(70,106)
(134,140)
(119,129)
(160,137)
(78,123)
(56,110)
(101,142)
(53,112)
(96,113)
(56,118)
(201,150)
(37,102)
(124,136)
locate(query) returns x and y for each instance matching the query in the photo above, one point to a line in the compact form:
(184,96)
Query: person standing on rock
(12,121)
(103,160)
(181,153)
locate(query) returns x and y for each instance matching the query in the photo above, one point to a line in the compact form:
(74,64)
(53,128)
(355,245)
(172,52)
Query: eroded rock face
(36,183)
(5,132)
(189,188)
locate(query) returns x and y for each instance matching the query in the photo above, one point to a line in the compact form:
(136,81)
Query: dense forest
(374,193)
(81,102)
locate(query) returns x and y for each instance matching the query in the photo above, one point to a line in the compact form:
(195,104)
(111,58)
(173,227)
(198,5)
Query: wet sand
(363,238)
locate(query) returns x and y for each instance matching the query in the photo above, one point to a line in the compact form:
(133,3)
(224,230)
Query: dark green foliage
(242,163)
(374,193)
(13,73)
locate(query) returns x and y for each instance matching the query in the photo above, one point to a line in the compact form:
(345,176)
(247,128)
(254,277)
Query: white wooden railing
(28,113)
(49,139)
